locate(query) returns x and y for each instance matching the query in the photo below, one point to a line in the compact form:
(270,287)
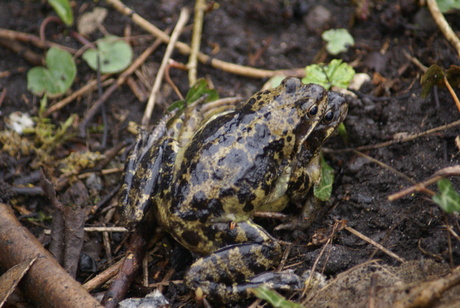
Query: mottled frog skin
(204,181)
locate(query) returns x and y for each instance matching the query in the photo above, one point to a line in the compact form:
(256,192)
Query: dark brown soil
(273,35)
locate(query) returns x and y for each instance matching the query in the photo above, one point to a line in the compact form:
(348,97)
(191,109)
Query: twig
(46,283)
(45,23)
(443,25)
(452,92)
(30,56)
(372,242)
(382,164)
(25,37)
(2,96)
(103,277)
(200,6)
(203,58)
(184,15)
(415,61)
(121,79)
(445,172)
(425,294)
(90,86)
(402,140)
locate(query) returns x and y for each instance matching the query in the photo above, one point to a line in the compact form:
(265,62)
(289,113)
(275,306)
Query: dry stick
(427,293)
(372,242)
(121,79)
(200,6)
(402,140)
(103,277)
(46,283)
(30,56)
(415,61)
(203,58)
(184,15)
(449,171)
(25,37)
(443,25)
(382,164)
(452,92)
(90,86)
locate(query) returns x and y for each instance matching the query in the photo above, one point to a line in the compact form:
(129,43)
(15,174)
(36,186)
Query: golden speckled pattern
(204,186)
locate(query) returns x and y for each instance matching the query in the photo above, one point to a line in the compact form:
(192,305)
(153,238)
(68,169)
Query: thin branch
(184,15)
(25,37)
(203,58)
(440,174)
(398,141)
(443,25)
(372,242)
(382,164)
(121,79)
(90,86)
(452,92)
(200,6)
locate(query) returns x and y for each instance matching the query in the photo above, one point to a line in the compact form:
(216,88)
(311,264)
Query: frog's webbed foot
(228,274)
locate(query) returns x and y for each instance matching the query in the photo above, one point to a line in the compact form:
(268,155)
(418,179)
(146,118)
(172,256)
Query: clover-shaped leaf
(57,77)
(114,55)
(335,73)
(338,40)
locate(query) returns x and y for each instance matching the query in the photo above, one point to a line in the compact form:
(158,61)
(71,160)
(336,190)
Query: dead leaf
(11,278)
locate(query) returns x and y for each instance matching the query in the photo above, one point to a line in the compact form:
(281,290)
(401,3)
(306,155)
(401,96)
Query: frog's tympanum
(204,179)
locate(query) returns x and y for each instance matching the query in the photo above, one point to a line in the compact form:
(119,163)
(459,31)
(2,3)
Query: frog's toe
(285,280)
(222,293)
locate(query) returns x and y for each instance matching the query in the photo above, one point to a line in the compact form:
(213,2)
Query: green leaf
(275,81)
(433,76)
(448,6)
(447,198)
(335,73)
(323,190)
(273,297)
(199,89)
(57,77)
(180,104)
(114,55)
(63,9)
(338,40)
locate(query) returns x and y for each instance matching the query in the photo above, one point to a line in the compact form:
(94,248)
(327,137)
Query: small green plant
(323,190)
(114,55)
(447,198)
(336,73)
(448,6)
(434,76)
(63,9)
(56,78)
(274,298)
(199,89)
(338,40)
(47,134)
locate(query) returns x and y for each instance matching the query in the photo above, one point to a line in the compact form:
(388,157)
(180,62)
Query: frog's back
(235,163)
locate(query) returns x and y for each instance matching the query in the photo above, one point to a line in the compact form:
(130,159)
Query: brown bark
(46,283)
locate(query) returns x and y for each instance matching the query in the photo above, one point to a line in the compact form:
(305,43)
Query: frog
(203,186)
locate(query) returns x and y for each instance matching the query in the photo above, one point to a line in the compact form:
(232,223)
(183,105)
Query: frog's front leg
(228,273)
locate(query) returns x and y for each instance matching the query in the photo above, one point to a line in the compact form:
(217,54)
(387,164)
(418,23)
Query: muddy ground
(278,35)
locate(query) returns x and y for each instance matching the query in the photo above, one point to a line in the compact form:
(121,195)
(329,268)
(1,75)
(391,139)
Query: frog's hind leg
(228,274)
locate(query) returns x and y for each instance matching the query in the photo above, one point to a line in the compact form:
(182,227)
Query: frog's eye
(313,111)
(328,117)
